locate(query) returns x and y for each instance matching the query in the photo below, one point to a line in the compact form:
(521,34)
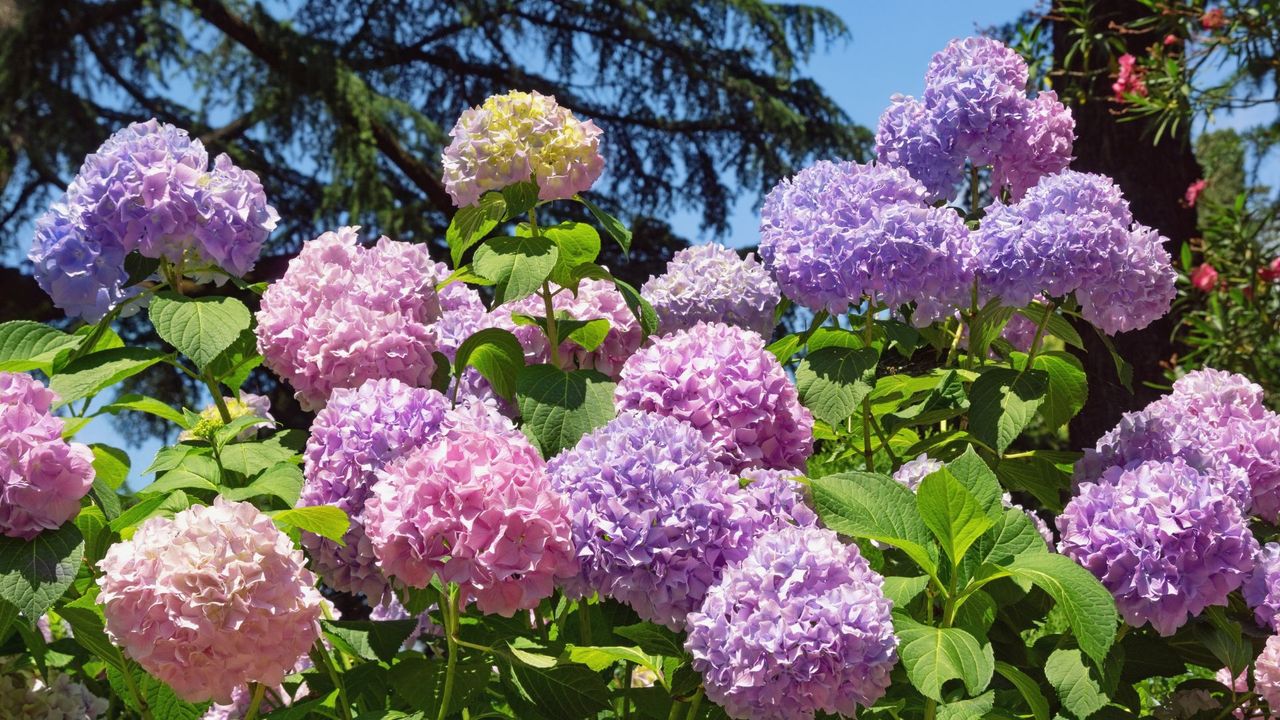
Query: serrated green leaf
(972,472)
(968,709)
(91,374)
(1088,607)
(902,590)
(520,198)
(251,458)
(197,472)
(27,345)
(282,480)
(110,465)
(369,639)
(932,656)
(35,573)
(1002,403)
(200,328)
(1029,689)
(652,639)
(874,507)
(496,354)
(470,224)
(564,692)
(160,700)
(560,407)
(324,520)
(144,404)
(579,245)
(1079,691)
(954,515)
(88,629)
(834,380)
(517,265)
(1037,476)
(599,657)
(640,308)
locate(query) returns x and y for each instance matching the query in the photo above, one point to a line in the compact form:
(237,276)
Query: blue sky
(887,53)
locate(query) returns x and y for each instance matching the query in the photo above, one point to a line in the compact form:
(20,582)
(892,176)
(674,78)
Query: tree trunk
(1154,178)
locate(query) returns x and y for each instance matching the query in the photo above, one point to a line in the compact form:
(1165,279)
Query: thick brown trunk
(1154,178)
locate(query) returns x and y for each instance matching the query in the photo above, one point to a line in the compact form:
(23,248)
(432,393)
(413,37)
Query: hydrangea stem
(255,701)
(867,327)
(449,613)
(553,337)
(1039,338)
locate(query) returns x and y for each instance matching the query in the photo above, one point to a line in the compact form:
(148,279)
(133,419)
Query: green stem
(867,326)
(627,669)
(975,192)
(255,702)
(694,704)
(955,343)
(207,378)
(973,313)
(98,331)
(553,337)
(449,610)
(343,703)
(133,690)
(1039,338)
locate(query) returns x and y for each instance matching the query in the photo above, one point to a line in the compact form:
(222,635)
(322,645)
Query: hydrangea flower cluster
(1215,421)
(1266,672)
(343,314)
(711,283)
(212,599)
(913,472)
(149,189)
(517,137)
(655,518)
(25,697)
(721,380)
(42,477)
(800,625)
(357,434)
(1074,232)
(594,299)
(1164,539)
(1262,588)
(975,108)
(838,232)
(474,507)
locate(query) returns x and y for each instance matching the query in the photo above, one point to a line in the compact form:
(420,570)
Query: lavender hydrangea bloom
(721,380)
(976,87)
(147,188)
(1165,540)
(1216,422)
(654,517)
(1073,232)
(391,609)
(1041,146)
(595,299)
(710,283)
(777,493)
(23,696)
(358,433)
(1262,588)
(907,137)
(800,625)
(838,232)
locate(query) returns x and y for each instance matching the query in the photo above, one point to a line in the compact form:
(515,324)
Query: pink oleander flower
(720,379)
(42,477)
(1193,192)
(595,299)
(211,599)
(344,313)
(474,507)
(1271,272)
(1204,278)
(517,137)
(1129,79)
(1213,19)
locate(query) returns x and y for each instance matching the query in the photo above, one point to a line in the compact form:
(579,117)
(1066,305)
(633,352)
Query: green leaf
(149,405)
(1067,390)
(233,365)
(902,590)
(611,225)
(1077,686)
(1057,326)
(91,374)
(588,334)
(371,640)
(599,657)
(563,692)
(496,354)
(517,265)
(968,709)
(932,656)
(34,574)
(138,267)
(27,345)
(785,347)
(1037,476)
(251,458)
(520,198)
(420,682)
(92,523)
(972,472)
(1002,403)
(1029,688)
(875,507)
(560,407)
(88,629)
(985,326)
(200,328)
(834,380)
(197,472)
(324,520)
(1089,608)
(1225,639)
(159,697)
(110,465)
(470,224)
(954,515)
(643,311)
(154,505)
(579,245)
(282,480)
(1124,371)
(652,639)
(945,400)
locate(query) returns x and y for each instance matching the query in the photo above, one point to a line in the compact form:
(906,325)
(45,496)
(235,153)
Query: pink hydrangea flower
(42,477)
(594,299)
(720,379)
(343,314)
(1266,672)
(212,599)
(475,508)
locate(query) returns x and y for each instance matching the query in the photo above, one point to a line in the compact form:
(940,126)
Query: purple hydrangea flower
(778,493)
(837,233)
(147,188)
(1073,232)
(358,433)
(800,625)
(42,477)
(710,283)
(654,517)
(721,380)
(1164,539)
(1216,422)
(344,313)
(975,109)
(1262,588)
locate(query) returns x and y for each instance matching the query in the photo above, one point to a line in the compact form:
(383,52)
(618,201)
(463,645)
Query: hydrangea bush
(543,493)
